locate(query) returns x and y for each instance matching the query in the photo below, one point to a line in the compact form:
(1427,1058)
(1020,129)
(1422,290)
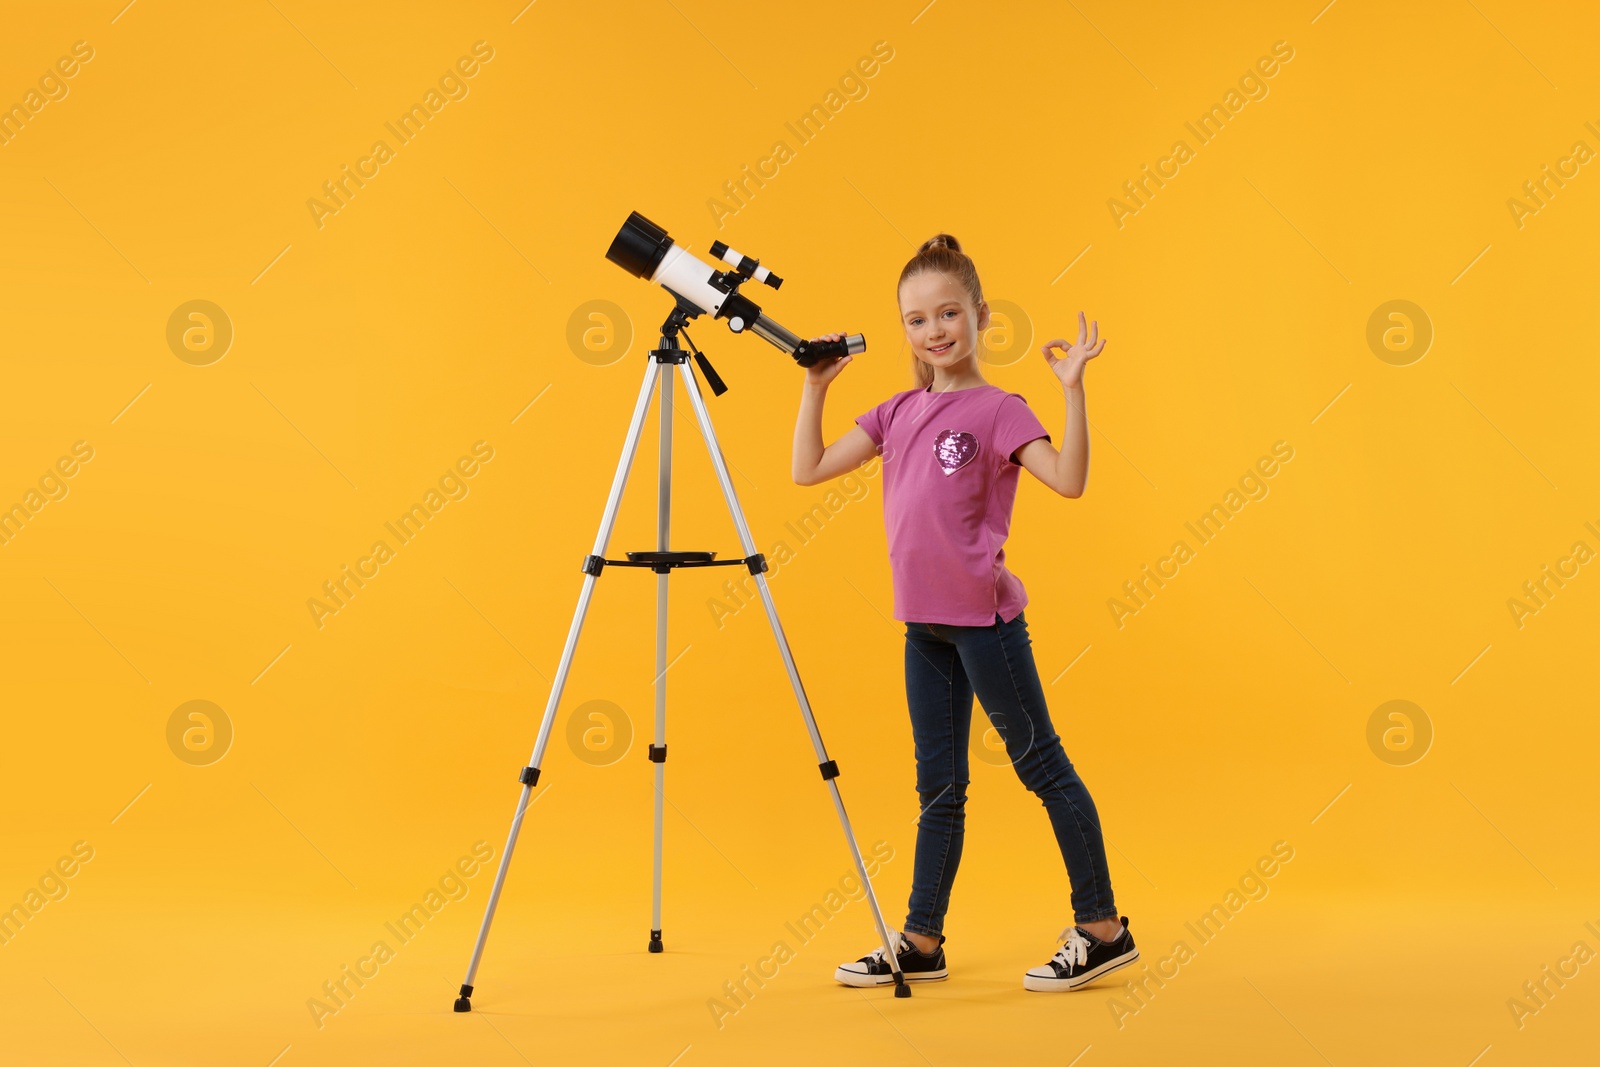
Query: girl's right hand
(824,371)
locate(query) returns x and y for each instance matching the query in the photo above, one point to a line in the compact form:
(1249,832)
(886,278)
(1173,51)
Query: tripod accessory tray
(663,562)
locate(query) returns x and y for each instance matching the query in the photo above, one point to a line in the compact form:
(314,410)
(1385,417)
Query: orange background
(448,302)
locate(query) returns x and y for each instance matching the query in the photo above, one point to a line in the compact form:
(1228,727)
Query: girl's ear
(983,316)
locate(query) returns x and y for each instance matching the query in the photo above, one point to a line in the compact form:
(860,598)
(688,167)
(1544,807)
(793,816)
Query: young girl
(952,449)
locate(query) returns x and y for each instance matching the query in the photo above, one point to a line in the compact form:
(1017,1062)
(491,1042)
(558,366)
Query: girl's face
(941,324)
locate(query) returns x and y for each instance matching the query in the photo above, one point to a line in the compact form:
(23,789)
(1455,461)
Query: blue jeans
(945,666)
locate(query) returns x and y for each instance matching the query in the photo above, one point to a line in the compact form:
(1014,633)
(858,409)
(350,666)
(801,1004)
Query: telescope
(645,250)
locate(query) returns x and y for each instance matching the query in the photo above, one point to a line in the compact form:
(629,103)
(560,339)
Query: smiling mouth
(940,350)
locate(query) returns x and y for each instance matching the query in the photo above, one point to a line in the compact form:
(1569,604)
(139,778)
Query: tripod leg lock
(593,564)
(829,770)
(529,776)
(757,563)
(658,753)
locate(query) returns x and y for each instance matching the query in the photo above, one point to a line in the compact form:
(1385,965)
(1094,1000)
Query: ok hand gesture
(1070,368)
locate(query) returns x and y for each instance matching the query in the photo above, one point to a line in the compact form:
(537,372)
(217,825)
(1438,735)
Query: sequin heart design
(954,449)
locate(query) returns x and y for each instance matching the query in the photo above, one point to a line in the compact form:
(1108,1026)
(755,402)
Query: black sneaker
(873,969)
(1082,959)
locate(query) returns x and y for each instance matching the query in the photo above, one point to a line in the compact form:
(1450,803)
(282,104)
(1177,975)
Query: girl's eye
(950,312)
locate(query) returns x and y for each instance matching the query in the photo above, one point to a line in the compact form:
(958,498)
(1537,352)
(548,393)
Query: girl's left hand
(1070,368)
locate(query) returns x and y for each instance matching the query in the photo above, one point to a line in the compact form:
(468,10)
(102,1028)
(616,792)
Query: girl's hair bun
(939,240)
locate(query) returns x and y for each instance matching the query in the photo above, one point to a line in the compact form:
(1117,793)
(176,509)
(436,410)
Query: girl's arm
(812,462)
(1067,471)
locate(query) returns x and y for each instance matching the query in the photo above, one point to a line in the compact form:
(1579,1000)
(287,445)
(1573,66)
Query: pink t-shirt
(948,485)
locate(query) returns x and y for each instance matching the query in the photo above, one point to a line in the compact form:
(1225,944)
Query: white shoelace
(1075,953)
(901,944)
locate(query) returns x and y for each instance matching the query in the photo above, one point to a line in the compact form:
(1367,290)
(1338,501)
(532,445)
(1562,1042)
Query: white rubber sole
(1060,985)
(864,981)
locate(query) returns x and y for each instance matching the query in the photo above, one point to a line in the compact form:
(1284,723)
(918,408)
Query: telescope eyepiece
(810,352)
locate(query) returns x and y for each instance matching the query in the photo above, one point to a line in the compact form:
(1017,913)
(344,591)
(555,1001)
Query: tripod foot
(655,941)
(901,988)
(462,1003)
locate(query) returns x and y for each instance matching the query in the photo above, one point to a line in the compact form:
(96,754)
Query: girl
(952,448)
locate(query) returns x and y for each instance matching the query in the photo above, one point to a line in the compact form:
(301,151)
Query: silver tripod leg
(658,752)
(829,769)
(530,774)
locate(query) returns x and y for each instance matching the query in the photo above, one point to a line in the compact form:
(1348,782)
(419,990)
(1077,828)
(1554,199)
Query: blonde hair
(941,253)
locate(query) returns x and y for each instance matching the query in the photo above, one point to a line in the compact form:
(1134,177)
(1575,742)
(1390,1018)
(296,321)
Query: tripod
(662,562)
